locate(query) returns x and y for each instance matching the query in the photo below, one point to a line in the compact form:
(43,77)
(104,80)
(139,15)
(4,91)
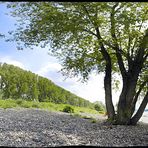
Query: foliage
(17,83)
(7,104)
(99,106)
(35,105)
(68,109)
(93,121)
(70,29)
(11,103)
(19,101)
(26,104)
(93,37)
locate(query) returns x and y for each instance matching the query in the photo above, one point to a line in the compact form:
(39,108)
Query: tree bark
(140,111)
(126,103)
(122,104)
(108,69)
(136,96)
(108,91)
(107,79)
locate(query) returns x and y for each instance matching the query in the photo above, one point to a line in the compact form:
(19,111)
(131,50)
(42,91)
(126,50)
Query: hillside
(16,83)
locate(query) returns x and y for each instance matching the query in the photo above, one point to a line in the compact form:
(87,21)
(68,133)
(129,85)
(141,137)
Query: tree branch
(103,50)
(143,46)
(92,33)
(140,111)
(107,78)
(139,30)
(122,5)
(90,19)
(116,48)
(139,91)
(145,57)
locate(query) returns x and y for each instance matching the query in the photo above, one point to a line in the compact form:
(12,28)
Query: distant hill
(16,83)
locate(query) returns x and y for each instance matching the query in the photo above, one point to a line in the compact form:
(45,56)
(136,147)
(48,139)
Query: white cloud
(9,60)
(91,90)
(50,67)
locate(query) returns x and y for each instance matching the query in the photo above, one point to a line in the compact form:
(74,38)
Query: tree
(89,36)
(16,83)
(99,106)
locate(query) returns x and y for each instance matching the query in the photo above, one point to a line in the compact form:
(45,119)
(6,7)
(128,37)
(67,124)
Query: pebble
(40,128)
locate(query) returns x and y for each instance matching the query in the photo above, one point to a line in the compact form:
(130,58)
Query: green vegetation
(93,37)
(68,109)
(9,103)
(93,121)
(17,83)
(99,106)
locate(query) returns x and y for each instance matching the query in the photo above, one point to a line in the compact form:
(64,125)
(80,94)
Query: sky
(40,62)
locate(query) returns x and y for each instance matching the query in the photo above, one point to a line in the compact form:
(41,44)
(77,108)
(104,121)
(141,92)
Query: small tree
(99,106)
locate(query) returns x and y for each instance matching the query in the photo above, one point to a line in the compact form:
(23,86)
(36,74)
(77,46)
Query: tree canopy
(93,36)
(16,83)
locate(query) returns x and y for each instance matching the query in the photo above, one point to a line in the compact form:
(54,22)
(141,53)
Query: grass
(10,103)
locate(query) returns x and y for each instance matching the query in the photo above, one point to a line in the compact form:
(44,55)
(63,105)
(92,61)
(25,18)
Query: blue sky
(38,61)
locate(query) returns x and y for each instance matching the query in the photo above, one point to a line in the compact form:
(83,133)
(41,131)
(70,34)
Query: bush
(98,107)
(68,109)
(19,101)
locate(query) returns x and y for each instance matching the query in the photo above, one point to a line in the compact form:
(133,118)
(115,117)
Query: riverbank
(40,128)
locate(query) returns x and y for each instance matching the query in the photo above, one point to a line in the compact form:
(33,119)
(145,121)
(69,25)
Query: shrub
(98,107)
(19,101)
(68,109)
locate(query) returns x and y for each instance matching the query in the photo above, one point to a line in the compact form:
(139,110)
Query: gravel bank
(40,128)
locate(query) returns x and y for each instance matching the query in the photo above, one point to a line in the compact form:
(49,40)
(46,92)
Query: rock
(40,128)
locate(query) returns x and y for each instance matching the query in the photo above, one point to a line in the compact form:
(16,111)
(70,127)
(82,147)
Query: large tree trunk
(126,103)
(128,96)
